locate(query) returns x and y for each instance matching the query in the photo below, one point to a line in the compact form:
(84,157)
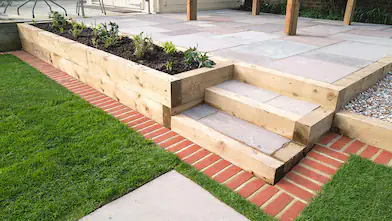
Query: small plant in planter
(142,45)
(193,57)
(169,47)
(58,20)
(76,29)
(169,66)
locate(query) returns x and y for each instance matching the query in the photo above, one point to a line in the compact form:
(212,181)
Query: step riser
(262,165)
(263,115)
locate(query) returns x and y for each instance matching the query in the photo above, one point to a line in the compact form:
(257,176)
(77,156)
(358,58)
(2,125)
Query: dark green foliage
(142,45)
(334,10)
(193,57)
(60,157)
(360,190)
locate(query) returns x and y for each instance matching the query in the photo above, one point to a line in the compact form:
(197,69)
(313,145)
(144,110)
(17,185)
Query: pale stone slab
(369,52)
(370,32)
(312,40)
(200,111)
(243,131)
(298,107)
(338,59)
(312,68)
(323,30)
(364,39)
(242,55)
(277,49)
(169,197)
(248,90)
(246,37)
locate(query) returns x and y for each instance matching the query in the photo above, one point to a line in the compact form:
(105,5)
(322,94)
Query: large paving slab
(169,197)
(241,130)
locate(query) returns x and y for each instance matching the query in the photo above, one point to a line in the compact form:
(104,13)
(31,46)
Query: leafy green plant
(108,35)
(169,66)
(76,29)
(61,29)
(169,47)
(58,20)
(142,45)
(193,57)
(34,22)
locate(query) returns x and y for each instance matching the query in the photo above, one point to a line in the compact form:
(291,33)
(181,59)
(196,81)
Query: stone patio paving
(323,50)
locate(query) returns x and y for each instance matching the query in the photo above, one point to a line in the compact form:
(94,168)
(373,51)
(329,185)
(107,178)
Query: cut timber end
(349,14)
(366,129)
(292,12)
(312,126)
(191,10)
(262,165)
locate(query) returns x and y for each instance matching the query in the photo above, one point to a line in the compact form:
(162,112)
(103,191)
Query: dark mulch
(156,59)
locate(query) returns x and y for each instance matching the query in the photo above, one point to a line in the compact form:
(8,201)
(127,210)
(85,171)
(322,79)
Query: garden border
(153,93)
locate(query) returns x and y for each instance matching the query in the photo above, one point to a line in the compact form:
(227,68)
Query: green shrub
(193,57)
(169,47)
(142,45)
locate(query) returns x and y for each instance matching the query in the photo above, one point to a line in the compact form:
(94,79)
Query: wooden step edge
(264,115)
(312,126)
(263,166)
(291,154)
(366,129)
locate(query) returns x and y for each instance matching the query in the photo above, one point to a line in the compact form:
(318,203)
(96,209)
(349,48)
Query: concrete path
(170,197)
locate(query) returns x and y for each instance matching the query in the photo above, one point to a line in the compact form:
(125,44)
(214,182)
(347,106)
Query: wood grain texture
(256,7)
(349,13)
(191,6)
(366,129)
(292,12)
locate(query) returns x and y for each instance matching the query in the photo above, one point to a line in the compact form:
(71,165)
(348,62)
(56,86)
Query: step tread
(288,104)
(241,130)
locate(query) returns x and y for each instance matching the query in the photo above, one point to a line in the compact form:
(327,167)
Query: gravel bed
(375,102)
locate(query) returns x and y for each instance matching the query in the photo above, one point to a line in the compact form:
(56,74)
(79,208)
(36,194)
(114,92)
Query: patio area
(323,50)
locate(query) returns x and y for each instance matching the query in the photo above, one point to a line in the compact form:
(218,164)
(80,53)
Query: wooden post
(292,12)
(350,8)
(191,7)
(255,7)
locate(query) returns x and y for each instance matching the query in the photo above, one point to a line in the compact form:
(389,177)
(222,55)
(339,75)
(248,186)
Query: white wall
(180,5)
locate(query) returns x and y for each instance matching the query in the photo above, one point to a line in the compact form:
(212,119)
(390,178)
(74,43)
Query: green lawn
(360,190)
(61,158)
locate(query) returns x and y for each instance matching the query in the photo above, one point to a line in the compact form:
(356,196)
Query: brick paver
(284,200)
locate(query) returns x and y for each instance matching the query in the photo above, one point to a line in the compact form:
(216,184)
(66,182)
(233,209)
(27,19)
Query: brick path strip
(283,201)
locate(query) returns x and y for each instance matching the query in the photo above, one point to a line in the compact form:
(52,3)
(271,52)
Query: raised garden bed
(152,92)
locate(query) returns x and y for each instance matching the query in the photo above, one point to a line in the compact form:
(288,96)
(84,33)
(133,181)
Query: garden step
(264,108)
(266,154)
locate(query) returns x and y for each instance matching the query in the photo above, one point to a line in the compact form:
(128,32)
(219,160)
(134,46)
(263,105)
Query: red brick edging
(284,201)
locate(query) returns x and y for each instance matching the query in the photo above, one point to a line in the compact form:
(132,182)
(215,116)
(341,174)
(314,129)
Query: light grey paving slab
(312,68)
(311,40)
(370,32)
(339,59)
(277,48)
(169,197)
(248,90)
(149,30)
(298,107)
(369,26)
(220,30)
(181,32)
(364,39)
(203,40)
(243,131)
(241,54)
(246,37)
(323,30)
(370,52)
(200,111)
(268,27)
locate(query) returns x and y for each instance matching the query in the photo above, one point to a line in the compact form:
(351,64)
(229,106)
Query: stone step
(268,155)
(264,108)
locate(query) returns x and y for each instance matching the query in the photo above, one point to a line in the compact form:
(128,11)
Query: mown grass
(360,190)
(60,157)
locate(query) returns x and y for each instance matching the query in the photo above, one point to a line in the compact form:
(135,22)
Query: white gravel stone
(375,102)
